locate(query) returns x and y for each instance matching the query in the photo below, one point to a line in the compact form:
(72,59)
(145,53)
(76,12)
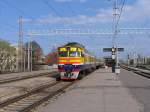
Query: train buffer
(98,92)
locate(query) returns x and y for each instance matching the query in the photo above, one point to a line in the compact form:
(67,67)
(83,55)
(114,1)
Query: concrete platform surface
(98,92)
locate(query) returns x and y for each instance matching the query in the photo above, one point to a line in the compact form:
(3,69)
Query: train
(74,60)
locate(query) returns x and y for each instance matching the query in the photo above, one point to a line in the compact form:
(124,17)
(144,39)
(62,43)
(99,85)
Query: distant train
(74,60)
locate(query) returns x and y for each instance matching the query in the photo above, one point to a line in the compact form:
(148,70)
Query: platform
(98,92)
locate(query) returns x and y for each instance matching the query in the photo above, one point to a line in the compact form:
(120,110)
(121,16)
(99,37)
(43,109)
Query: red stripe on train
(75,70)
(69,63)
(71,58)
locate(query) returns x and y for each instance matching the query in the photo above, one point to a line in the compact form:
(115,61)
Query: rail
(145,73)
(33,98)
(18,78)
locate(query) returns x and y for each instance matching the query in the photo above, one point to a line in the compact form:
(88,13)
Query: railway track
(145,73)
(8,80)
(32,99)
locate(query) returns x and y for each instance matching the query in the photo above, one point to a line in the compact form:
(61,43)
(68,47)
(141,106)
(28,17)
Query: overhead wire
(52,8)
(58,14)
(70,8)
(13,6)
(121,10)
(17,9)
(47,3)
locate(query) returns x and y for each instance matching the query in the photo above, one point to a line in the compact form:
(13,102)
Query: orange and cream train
(74,60)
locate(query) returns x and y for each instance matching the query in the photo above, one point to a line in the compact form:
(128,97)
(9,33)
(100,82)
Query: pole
(128,60)
(24,59)
(117,61)
(29,55)
(17,62)
(20,47)
(115,28)
(115,14)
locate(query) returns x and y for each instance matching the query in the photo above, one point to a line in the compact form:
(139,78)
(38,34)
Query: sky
(93,15)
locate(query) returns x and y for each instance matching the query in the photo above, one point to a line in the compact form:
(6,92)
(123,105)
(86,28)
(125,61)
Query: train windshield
(74,54)
(63,54)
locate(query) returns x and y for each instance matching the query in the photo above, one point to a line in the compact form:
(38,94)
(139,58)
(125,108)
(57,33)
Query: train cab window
(63,54)
(74,54)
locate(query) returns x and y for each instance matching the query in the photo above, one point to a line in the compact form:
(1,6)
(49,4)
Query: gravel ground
(13,89)
(14,75)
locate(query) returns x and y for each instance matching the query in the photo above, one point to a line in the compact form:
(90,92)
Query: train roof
(74,44)
(78,45)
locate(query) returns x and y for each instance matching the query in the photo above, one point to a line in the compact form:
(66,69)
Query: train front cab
(70,62)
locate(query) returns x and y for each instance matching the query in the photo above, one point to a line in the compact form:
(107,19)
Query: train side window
(82,55)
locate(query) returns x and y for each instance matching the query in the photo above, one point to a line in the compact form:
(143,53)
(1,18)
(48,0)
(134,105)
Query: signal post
(114,53)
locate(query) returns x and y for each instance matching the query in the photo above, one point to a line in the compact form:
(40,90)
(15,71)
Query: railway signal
(114,51)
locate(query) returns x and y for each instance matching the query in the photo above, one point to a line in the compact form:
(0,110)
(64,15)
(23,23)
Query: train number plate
(68,75)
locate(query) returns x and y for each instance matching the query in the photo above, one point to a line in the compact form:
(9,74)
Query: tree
(7,57)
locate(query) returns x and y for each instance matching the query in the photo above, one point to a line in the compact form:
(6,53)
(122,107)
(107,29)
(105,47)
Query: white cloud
(139,11)
(102,17)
